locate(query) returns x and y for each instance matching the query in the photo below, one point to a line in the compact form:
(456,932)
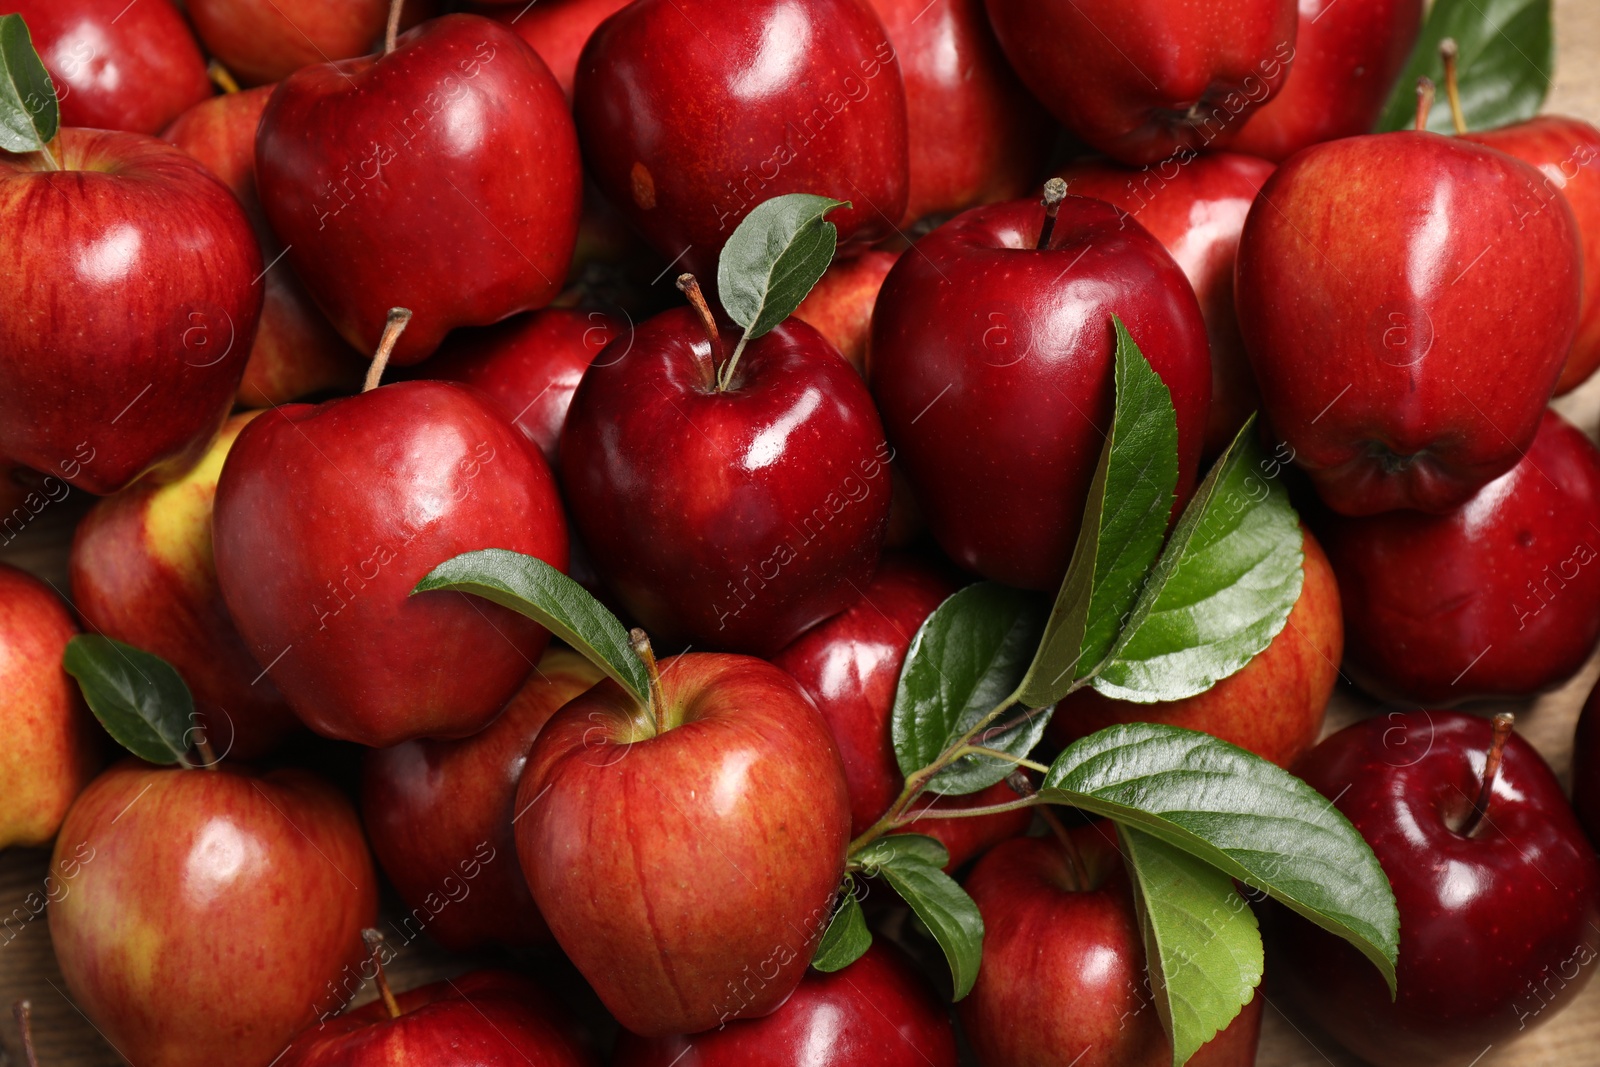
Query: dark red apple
(692,112)
(556,29)
(442,177)
(840,304)
(1586,767)
(132,306)
(263,41)
(1497,888)
(1143,79)
(991,362)
(1196,207)
(877,1011)
(116,65)
(687,863)
(1494,599)
(326,518)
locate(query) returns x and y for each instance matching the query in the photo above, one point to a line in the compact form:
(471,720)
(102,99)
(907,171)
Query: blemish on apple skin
(644,187)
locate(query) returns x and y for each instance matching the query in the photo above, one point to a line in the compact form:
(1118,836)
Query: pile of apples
(435,281)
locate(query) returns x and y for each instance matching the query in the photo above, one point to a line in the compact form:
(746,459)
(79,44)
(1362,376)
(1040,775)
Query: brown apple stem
(221,77)
(1449,51)
(392,30)
(641,648)
(208,754)
(689,286)
(1503,723)
(23,1010)
(1055,191)
(1022,785)
(1425,93)
(374,941)
(49,157)
(392,329)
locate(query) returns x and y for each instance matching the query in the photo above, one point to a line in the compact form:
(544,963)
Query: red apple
(116,65)
(1347,55)
(1586,767)
(441,814)
(1059,932)
(1407,301)
(840,305)
(267,40)
(1142,79)
(735,518)
(1498,892)
(687,864)
(1196,207)
(53,746)
(556,29)
(132,307)
(849,666)
(442,177)
(992,360)
(297,352)
(211,910)
(529,366)
(1495,599)
(692,112)
(326,518)
(876,1011)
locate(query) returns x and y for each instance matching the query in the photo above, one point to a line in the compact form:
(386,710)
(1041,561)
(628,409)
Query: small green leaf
(1202,945)
(29,113)
(532,587)
(911,864)
(1124,522)
(1247,817)
(966,659)
(137,696)
(773,259)
(1222,590)
(1506,61)
(847,936)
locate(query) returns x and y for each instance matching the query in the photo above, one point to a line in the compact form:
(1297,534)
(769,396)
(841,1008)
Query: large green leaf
(847,936)
(911,864)
(1222,590)
(532,587)
(1507,58)
(138,697)
(29,112)
(1202,945)
(773,259)
(967,657)
(1247,817)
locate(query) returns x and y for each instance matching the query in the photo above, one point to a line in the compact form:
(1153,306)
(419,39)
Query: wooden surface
(67,1039)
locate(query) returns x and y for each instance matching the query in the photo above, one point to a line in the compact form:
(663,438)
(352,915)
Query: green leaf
(29,113)
(1124,522)
(137,696)
(847,936)
(532,587)
(773,259)
(1222,590)
(1247,817)
(965,660)
(1202,945)
(1507,58)
(911,864)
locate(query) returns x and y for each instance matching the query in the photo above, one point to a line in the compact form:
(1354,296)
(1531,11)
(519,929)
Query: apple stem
(208,754)
(1449,51)
(49,157)
(1425,93)
(221,77)
(23,1010)
(392,30)
(374,942)
(1503,722)
(640,643)
(1055,191)
(689,286)
(392,329)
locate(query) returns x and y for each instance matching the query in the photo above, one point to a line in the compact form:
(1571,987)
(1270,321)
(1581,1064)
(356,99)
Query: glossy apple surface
(263,41)
(1494,599)
(878,1010)
(1407,302)
(326,518)
(133,305)
(731,519)
(840,305)
(992,361)
(442,177)
(440,816)
(1497,928)
(556,29)
(692,112)
(212,911)
(687,868)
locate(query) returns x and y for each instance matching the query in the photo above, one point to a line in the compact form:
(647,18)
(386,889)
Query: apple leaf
(138,697)
(1124,522)
(1250,819)
(29,113)
(1202,946)
(531,587)
(773,259)
(847,936)
(1222,590)
(912,865)
(1506,60)
(966,658)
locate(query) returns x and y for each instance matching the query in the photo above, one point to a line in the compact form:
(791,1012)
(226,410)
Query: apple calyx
(392,329)
(23,1010)
(1055,191)
(1425,94)
(374,943)
(639,641)
(1503,723)
(689,286)
(1449,52)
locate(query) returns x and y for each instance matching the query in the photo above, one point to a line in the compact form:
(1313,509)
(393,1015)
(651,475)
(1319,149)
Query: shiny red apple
(262,41)
(840,304)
